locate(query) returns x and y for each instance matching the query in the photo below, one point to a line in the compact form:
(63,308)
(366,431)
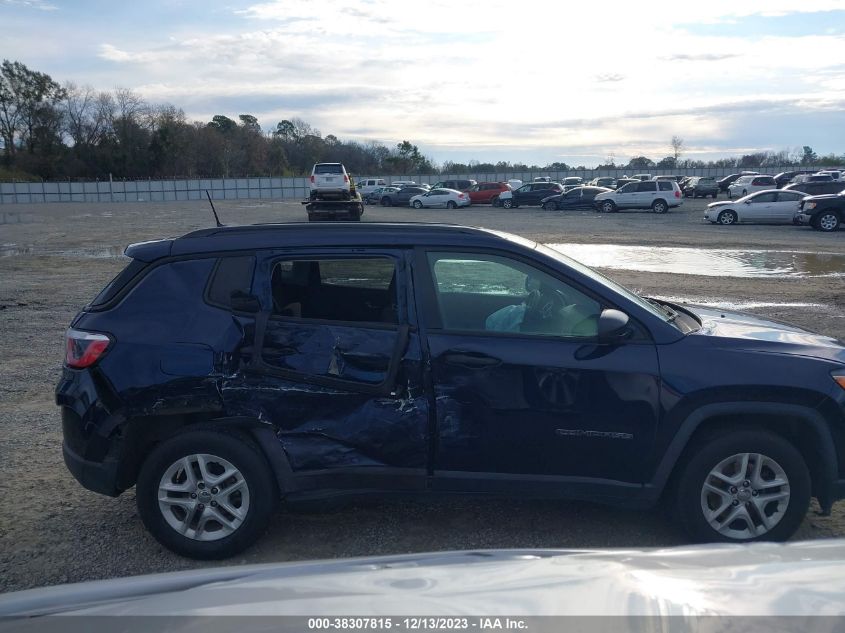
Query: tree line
(55,131)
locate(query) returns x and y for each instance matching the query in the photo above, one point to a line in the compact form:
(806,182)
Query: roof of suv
(262,236)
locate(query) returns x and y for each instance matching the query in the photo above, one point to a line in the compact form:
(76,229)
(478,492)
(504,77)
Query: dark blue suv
(234,367)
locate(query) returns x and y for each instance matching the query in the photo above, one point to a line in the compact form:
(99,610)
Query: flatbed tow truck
(334,205)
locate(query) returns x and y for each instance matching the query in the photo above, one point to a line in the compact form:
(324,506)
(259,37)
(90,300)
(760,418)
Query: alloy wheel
(203,497)
(745,495)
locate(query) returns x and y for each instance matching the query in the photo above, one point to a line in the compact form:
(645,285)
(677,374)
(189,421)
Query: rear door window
(649,185)
(231,274)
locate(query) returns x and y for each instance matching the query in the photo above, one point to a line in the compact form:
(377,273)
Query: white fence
(275,188)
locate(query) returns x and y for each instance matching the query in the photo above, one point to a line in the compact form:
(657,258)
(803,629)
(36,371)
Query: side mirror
(748,202)
(612,325)
(242,302)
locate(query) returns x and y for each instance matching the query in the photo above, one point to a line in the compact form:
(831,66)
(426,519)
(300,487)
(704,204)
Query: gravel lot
(54,258)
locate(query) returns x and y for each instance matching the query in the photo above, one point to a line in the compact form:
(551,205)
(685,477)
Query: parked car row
(824,212)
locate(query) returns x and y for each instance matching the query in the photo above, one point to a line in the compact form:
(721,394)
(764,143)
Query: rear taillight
(462,196)
(83,349)
(345,178)
(677,193)
(312,178)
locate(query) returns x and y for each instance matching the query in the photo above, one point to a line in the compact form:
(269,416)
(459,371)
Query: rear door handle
(473,360)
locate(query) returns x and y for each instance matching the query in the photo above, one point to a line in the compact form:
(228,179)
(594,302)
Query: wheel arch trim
(824,440)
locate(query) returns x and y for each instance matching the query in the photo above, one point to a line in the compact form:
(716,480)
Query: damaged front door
(337,370)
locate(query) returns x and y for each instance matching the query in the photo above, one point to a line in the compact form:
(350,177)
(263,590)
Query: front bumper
(801,218)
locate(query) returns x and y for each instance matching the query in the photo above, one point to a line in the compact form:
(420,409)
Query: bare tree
(677,144)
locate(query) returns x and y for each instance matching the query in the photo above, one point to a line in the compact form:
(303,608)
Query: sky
(529,81)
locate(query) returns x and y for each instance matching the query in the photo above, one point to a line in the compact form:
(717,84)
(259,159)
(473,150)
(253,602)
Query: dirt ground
(54,258)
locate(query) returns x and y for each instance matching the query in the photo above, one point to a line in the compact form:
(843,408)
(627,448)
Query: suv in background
(744,185)
(641,177)
(727,181)
(235,367)
(529,194)
(457,185)
(700,187)
(823,213)
(657,195)
(487,192)
(785,177)
(330,180)
(817,188)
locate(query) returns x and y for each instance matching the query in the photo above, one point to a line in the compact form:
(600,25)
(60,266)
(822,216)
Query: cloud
(609,77)
(701,57)
(41,5)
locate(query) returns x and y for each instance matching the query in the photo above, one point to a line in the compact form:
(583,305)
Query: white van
(368,185)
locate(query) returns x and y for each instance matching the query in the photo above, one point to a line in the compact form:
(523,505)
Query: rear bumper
(98,477)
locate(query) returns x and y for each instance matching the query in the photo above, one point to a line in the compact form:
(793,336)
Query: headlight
(811,205)
(839,376)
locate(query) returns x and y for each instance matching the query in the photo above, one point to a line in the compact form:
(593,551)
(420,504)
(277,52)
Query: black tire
(238,451)
(727,218)
(417,204)
(713,449)
(386,202)
(715,195)
(607,206)
(744,192)
(659,206)
(507,203)
(451,205)
(550,206)
(494,201)
(827,221)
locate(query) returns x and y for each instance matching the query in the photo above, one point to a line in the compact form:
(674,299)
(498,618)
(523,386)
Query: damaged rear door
(336,369)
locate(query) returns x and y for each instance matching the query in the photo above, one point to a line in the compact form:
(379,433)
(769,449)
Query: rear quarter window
(118,283)
(664,185)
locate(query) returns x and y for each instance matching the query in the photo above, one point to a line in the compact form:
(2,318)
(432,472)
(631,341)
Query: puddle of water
(707,262)
(12,250)
(740,305)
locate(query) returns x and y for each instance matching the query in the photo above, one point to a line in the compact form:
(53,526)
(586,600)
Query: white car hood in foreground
(799,579)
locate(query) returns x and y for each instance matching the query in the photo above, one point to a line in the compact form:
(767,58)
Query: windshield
(655,308)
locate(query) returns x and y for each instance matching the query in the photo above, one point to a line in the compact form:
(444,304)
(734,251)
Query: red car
(485,192)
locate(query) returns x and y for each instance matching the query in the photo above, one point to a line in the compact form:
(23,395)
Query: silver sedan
(448,198)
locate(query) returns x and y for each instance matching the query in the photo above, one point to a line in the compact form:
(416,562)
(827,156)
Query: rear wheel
(747,485)
(385,202)
(206,494)
(727,218)
(550,206)
(608,206)
(659,206)
(451,204)
(827,221)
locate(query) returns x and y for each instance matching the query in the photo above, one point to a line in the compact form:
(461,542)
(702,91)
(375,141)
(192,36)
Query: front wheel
(206,494)
(385,202)
(727,218)
(608,206)
(550,206)
(828,222)
(451,205)
(417,204)
(507,203)
(748,485)
(659,206)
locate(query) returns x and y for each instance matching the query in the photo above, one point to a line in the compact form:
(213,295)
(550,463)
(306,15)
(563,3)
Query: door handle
(472,360)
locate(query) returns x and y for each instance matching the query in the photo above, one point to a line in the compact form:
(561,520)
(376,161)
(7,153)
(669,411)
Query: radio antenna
(213,210)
